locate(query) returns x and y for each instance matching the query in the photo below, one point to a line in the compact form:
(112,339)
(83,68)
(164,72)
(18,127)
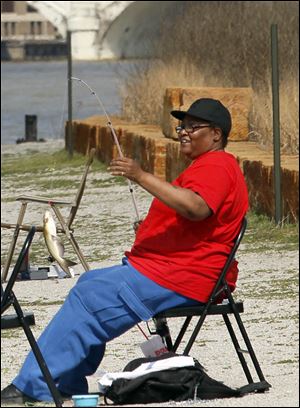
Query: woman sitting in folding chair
(179,251)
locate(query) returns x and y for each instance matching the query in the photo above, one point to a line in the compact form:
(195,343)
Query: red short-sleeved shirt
(187,256)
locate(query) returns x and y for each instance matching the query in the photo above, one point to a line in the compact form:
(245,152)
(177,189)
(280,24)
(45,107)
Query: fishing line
(109,124)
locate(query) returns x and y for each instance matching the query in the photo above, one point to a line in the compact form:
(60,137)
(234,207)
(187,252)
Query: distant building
(19,21)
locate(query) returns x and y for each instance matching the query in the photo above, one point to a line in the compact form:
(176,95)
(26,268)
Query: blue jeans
(104,304)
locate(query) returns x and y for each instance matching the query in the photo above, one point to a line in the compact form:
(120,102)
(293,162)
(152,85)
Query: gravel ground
(268,284)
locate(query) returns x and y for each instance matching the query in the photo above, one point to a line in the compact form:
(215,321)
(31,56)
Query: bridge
(108,29)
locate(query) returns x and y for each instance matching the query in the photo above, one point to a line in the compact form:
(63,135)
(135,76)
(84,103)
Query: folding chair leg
(181,333)
(13,242)
(78,252)
(238,349)
(249,346)
(71,238)
(38,355)
(195,332)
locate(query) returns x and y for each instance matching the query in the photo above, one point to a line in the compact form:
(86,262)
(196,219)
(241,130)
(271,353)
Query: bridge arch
(109,29)
(135,31)
(55,12)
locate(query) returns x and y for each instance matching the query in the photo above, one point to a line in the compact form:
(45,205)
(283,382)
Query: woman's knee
(99,273)
(88,275)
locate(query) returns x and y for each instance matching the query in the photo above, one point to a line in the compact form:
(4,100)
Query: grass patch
(42,303)
(120,181)
(263,234)
(9,334)
(37,162)
(290,361)
(43,183)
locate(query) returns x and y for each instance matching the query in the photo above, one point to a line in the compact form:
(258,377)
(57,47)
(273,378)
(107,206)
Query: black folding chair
(226,308)
(8,299)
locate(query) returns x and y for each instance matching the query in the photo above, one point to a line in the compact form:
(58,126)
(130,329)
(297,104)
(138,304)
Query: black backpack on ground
(173,384)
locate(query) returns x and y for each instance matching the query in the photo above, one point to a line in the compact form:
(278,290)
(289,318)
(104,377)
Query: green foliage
(40,163)
(263,234)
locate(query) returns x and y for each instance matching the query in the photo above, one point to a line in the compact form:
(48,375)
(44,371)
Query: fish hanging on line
(54,245)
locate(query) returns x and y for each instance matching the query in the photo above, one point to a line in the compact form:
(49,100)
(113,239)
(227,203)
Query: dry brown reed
(225,44)
(143,92)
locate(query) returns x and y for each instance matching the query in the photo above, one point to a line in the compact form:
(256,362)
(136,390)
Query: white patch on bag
(153,347)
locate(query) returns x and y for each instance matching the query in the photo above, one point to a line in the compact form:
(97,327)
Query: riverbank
(32,50)
(268,280)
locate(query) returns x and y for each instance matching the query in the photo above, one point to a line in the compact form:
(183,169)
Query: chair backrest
(5,295)
(81,188)
(221,283)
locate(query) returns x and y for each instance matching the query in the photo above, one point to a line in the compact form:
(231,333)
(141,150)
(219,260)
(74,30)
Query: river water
(40,88)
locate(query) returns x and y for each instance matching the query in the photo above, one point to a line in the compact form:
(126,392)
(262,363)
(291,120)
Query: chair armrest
(44,200)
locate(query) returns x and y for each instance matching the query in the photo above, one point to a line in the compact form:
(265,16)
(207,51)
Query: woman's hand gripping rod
(109,124)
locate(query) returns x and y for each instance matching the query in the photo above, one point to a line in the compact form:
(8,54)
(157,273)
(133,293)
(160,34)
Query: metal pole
(70,141)
(276,124)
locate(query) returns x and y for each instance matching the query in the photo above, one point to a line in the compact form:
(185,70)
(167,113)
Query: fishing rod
(109,124)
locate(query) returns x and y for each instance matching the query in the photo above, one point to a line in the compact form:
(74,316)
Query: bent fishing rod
(109,124)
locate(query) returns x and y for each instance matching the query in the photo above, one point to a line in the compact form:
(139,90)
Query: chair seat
(198,310)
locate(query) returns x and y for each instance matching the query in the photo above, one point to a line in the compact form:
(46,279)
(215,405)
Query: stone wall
(161,156)
(147,148)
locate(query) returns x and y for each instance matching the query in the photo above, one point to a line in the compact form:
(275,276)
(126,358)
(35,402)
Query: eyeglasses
(190,128)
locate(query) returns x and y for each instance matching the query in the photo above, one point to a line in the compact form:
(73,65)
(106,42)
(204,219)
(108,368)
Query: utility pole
(276,124)
(70,141)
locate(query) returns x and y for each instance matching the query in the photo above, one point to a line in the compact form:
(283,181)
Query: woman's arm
(184,201)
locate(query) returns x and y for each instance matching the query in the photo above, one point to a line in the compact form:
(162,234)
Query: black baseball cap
(209,110)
